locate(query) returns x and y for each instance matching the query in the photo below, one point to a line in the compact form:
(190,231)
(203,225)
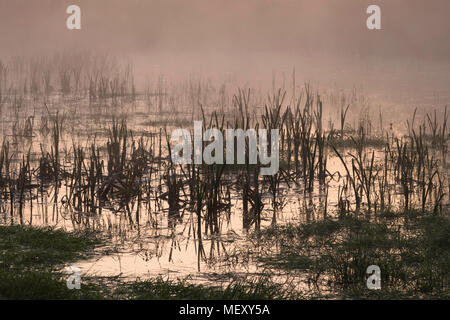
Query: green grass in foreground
(31,257)
(242,289)
(30,260)
(29,248)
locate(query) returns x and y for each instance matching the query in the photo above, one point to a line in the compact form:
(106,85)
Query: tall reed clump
(5,174)
(407,162)
(273,119)
(306,140)
(120,185)
(252,204)
(23,182)
(212,175)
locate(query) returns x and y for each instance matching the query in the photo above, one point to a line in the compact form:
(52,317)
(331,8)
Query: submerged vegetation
(84,149)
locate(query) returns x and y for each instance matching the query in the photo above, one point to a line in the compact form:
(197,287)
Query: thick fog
(410,27)
(325,40)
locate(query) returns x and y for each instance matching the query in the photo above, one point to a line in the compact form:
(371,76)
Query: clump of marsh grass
(335,253)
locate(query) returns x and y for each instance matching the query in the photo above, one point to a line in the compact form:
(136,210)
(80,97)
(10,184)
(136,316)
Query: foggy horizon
(409,29)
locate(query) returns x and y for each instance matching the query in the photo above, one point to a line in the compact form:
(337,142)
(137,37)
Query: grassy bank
(31,260)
